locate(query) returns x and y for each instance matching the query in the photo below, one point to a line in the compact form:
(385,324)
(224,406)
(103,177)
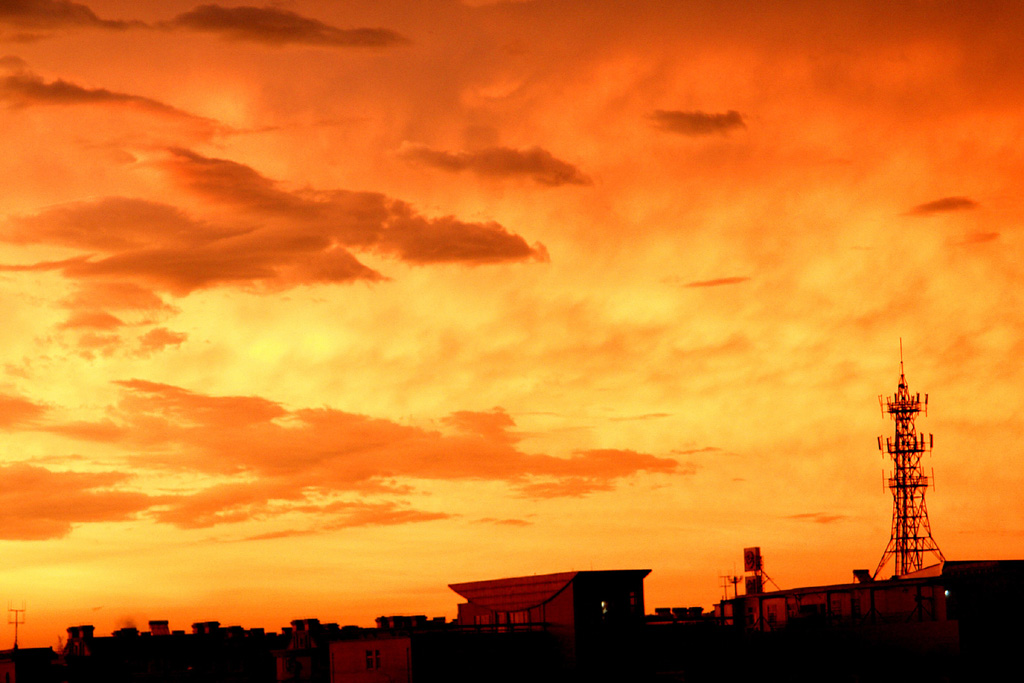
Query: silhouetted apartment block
(415,649)
(594,619)
(950,620)
(27,665)
(209,654)
(306,657)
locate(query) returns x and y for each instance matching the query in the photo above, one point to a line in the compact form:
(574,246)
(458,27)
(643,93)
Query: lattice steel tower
(911,534)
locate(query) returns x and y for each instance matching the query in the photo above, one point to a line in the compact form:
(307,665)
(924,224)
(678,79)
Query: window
(372,659)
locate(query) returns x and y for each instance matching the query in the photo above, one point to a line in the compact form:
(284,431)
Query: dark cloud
(717,282)
(144,245)
(37,504)
(23,89)
(303,460)
(48,14)
(944,205)
(13,63)
(363,220)
(275,26)
(277,239)
(697,123)
(535,163)
(817,517)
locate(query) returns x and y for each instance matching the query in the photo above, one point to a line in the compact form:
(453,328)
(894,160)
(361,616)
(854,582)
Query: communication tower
(911,534)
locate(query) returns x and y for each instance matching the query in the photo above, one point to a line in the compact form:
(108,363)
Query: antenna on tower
(911,535)
(15,616)
(726,580)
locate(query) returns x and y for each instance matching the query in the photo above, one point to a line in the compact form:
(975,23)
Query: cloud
(158,339)
(116,296)
(646,416)
(355,514)
(944,205)
(504,522)
(130,249)
(13,63)
(573,487)
(24,88)
(693,451)
(313,460)
(501,162)
(697,123)
(717,282)
(817,517)
(97,320)
(978,238)
(37,504)
(360,220)
(16,411)
(275,26)
(144,246)
(48,14)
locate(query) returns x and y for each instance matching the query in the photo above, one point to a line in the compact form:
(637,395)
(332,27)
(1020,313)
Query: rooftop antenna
(911,535)
(15,616)
(726,580)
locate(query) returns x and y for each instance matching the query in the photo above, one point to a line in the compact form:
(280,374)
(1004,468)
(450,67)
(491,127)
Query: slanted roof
(521,593)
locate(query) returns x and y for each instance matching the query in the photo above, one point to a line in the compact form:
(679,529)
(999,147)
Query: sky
(313,308)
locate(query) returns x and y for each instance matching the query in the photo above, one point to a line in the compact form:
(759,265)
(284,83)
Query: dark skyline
(314,307)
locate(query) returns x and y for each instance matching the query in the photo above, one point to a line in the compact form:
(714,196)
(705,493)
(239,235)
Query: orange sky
(313,308)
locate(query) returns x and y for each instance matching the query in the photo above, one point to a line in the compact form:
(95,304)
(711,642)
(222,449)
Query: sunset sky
(312,308)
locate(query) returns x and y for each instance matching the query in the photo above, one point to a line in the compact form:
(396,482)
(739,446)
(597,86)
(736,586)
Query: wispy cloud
(501,162)
(276,26)
(718,282)
(944,205)
(49,14)
(698,123)
(817,517)
(978,238)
